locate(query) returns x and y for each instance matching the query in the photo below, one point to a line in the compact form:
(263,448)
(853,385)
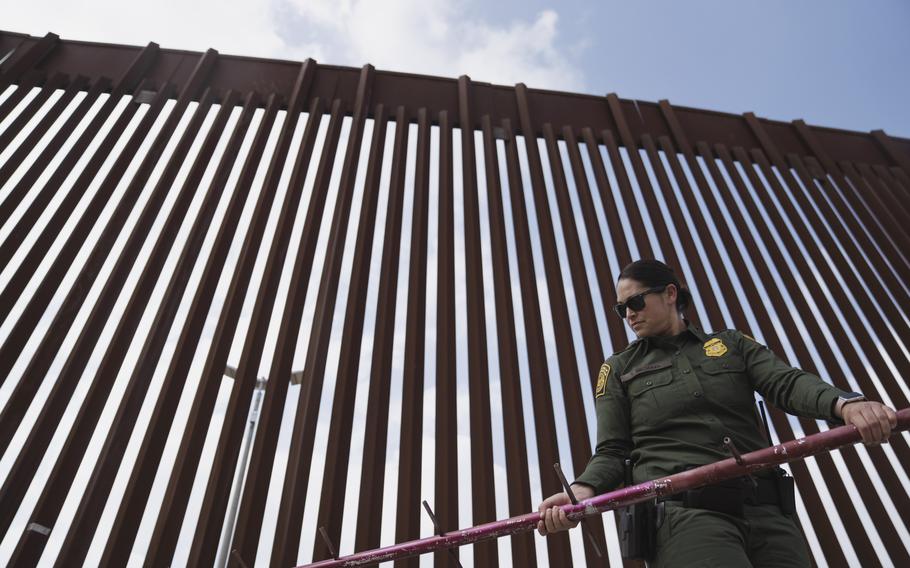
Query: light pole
(234,504)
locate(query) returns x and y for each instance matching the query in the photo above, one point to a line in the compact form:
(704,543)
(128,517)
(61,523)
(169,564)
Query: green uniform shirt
(668,402)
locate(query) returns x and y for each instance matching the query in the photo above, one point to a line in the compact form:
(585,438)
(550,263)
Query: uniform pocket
(723,365)
(654,398)
(642,378)
(648,381)
(653,395)
(724,381)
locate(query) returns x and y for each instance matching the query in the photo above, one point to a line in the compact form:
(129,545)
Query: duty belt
(729,496)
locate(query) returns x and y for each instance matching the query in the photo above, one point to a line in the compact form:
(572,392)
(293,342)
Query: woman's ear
(672,293)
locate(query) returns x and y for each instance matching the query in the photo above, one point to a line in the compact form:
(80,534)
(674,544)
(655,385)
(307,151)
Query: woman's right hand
(552,517)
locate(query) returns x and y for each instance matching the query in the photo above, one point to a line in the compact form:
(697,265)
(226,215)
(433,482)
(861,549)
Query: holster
(638,530)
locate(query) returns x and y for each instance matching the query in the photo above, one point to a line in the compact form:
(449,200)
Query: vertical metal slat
(608,201)
(372,479)
(804,481)
(595,241)
(65,468)
(23,469)
(300,459)
(644,185)
(327,297)
(867,195)
(224,463)
(847,205)
(92,503)
(446,486)
(126,523)
(861,543)
(130,79)
(167,529)
(412,404)
(211,518)
(483,499)
(519,485)
(58,81)
(558,548)
(256,482)
(52,147)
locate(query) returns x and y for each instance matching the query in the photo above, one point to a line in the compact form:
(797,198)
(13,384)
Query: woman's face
(659,313)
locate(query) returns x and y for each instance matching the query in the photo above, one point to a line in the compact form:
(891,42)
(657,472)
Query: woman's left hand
(874,420)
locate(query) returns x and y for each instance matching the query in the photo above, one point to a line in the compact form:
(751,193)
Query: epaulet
(621,357)
(720,331)
(752,339)
(742,334)
(728,333)
(736,332)
(628,350)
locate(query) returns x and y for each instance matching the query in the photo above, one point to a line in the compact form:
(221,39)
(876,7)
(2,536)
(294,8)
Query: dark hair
(654,273)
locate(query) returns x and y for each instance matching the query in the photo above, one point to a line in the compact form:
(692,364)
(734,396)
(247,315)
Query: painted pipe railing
(705,475)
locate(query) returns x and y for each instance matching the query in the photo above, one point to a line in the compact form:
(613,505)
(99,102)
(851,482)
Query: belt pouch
(785,493)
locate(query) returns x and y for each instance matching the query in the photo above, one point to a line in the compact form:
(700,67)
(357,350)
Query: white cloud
(434,37)
(230,26)
(419,36)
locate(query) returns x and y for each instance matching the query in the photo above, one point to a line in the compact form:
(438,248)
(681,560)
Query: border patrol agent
(666,403)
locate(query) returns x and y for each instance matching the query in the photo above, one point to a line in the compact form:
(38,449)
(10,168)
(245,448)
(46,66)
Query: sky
(834,63)
(831,63)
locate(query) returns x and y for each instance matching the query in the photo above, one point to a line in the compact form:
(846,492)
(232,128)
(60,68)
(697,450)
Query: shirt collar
(644,344)
(695,330)
(690,328)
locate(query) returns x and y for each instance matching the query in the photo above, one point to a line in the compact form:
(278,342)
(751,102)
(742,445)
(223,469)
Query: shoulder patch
(715,347)
(602,380)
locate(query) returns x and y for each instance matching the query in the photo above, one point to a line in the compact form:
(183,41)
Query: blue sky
(835,63)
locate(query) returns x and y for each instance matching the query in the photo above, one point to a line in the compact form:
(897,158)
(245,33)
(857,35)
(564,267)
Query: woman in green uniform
(667,401)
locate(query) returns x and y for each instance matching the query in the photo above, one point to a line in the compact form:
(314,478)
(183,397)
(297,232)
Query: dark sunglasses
(636,302)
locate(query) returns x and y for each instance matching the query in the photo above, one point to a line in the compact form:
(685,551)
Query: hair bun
(653,274)
(684,300)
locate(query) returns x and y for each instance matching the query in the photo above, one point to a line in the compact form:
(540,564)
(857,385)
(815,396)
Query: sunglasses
(636,302)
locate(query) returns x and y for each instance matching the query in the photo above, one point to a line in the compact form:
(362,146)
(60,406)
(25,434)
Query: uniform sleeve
(614,441)
(788,388)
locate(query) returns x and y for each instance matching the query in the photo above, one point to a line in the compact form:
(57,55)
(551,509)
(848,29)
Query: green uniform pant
(699,538)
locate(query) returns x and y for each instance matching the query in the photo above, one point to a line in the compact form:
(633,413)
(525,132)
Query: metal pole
(231,517)
(224,549)
(747,464)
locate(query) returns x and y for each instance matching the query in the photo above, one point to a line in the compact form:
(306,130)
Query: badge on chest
(715,348)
